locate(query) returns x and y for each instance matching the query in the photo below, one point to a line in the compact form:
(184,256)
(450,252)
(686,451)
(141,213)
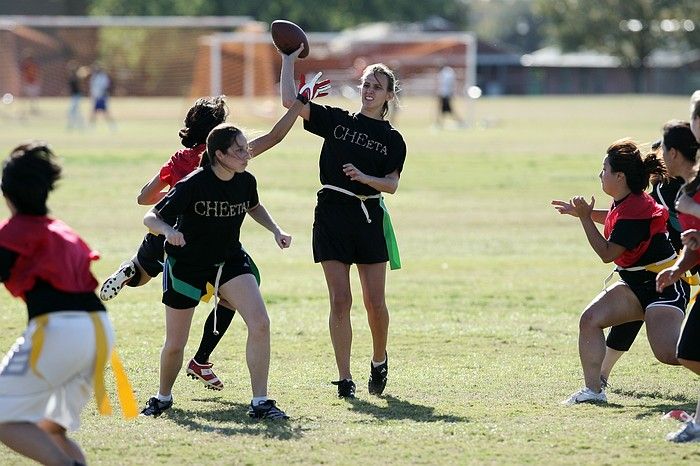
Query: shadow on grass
(658,410)
(235,416)
(402,409)
(651,394)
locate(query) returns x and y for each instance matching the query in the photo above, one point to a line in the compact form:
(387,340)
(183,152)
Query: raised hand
(564,208)
(314,88)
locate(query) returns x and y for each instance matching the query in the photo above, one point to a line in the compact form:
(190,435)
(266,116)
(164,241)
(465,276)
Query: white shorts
(65,364)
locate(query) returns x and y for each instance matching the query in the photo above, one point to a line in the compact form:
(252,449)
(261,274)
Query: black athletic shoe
(155,407)
(266,410)
(346,388)
(377,377)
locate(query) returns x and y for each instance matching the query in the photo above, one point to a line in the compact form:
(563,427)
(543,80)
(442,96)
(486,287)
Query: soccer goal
(246,63)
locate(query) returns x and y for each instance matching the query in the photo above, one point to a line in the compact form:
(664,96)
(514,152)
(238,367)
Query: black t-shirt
(373,146)
(209,213)
(665,193)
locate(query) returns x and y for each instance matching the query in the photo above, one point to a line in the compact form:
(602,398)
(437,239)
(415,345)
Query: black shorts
(445,104)
(151,253)
(341,232)
(688,346)
(643,285)
(620,337)
(185,284)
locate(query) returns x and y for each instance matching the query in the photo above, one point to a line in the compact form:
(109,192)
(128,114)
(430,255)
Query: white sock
(163,397)
(258,399)
(377,364)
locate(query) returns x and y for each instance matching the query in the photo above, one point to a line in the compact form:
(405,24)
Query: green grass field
(483,336)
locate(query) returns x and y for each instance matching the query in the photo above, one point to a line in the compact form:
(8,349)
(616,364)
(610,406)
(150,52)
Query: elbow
(287,103)
(141,200)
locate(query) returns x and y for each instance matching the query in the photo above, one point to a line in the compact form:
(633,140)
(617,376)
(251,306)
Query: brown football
(287,37)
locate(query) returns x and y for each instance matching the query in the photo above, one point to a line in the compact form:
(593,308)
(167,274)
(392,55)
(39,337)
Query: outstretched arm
(605,249)
(260,215)
(687,259)
(307,91)
(152,192)
(278,132)
(567,208)
(288,88)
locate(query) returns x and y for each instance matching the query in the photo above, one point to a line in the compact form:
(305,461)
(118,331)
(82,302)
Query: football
(287,37)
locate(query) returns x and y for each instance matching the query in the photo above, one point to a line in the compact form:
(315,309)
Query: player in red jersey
(636,240)
(50,372)
(680,148)
(201,118)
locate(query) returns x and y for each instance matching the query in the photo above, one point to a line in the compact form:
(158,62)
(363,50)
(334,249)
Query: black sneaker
(377,377)
(155,407)
(346,388)
(266,410)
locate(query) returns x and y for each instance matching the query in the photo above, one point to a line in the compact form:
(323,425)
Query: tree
(628,29)
(329,15)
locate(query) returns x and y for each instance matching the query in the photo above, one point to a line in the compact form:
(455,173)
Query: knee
(341,303)
(173,347)
(667,357)
(587,320)
(259,325)
(376,309)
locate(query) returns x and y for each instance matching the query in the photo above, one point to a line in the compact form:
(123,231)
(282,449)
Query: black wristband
(302,98)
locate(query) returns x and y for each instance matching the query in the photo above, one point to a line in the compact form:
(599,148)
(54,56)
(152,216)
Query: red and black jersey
(49,250)
(638,223)
(690,222)
(47,264)
(181,164)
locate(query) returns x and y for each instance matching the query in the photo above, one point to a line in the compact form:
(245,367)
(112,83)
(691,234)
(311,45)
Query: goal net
(195,56)
(247,64)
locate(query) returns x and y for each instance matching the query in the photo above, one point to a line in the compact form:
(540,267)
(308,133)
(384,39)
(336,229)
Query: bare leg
(616,305)
(340,296)
(58,435)
(29,440)
(663,329)
(143,276)
(177,331)
(609,361)
(373,280)
(244,294)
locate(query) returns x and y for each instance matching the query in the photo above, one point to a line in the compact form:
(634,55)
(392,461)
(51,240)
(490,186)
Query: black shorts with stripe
(341,232)
(643,285)
(688,347)
(185,284)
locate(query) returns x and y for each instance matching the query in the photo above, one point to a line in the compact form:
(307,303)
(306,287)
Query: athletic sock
(209,339)
(163,397)
(134,281)
(257,400)
(377,364)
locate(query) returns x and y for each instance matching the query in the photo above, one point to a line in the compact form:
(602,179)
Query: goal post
(239,62)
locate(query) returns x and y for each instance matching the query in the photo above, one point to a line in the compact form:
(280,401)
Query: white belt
(361,197)
(216,293)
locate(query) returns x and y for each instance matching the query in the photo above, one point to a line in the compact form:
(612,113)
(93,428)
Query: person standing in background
(100,87)
(31,81)
(76,75)
(446,82)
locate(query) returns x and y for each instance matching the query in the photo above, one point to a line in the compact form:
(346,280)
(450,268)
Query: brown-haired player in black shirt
(362,157)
